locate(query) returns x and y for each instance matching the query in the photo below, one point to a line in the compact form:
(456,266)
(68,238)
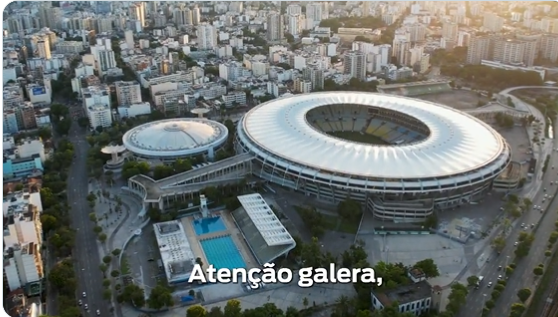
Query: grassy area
(124,266)
(539,300)
(357,137)
(335,223)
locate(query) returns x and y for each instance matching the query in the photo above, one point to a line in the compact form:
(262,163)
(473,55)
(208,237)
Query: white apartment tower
(207,37)
(492,22)
(274,27)
(450,30)
(480,47)
(549,47)
(314,12)
(315,76)
(183,16)
(355,64)
(96,102)
(294,9)
(196,15)
(295,23)
(129,36)
(128,93)
(137,12)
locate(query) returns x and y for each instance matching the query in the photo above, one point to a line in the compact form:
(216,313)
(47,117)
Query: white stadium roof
(175,137)
(458,143)
(271,228)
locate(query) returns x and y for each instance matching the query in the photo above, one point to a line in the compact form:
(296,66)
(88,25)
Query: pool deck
(232,231)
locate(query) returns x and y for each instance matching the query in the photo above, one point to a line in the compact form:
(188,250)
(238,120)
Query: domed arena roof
(175,137)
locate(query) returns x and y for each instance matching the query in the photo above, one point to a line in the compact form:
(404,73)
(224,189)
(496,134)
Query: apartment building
(23,264)
(355,64)
(128,93)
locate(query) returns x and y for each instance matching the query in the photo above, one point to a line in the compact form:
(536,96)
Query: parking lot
(142,255)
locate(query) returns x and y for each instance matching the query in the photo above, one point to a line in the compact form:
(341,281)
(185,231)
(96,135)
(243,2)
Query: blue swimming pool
(209,225)
(222,253)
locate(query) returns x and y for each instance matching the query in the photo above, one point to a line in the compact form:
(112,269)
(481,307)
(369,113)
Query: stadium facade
(427,157)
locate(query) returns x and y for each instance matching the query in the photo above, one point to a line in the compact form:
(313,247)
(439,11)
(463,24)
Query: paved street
(523,275)
(86,251)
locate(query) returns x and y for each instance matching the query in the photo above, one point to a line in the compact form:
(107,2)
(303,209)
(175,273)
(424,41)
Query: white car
(84,294)
(86,307)
(515,243)
(98,312)
(499,277)
(79,302)
(489,284)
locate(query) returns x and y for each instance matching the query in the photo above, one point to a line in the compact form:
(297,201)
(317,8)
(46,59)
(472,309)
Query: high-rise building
(293,9)
(449,31)
(128,93)
(43,49)
(315,75)
(274,27)
(23,264)
(417,32)
(294,24)
(96,102)
(355,64)
(207,37)
(137,12)
(508,51)
(196,15)
(104,58)
(549,47)
(183,16)
(129,36)
(314,12)
(480,47)
(492,22)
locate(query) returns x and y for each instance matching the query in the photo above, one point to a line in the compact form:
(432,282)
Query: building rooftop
(405,294)
(270,227)
(176,253)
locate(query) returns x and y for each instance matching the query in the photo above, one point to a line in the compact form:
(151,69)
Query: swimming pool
(209,225)
(222,253)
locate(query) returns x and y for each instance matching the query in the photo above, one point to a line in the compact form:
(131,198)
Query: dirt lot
(458,99)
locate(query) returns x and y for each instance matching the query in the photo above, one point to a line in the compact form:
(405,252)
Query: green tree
(196,311)
(472,280)
(524,294)
(160,297)
(499,243)
(134,294)
(107,259)
(538,271)
(116,252)
(114,273)
(457,297)
(349,209)
(214,311)
(489,304)
(517,309)
(232,308)
(428,267)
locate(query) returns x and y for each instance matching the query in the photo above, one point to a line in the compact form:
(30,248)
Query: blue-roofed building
(22,167)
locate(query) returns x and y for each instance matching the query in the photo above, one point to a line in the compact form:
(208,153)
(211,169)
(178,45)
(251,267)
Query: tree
(349,209)
(107,259)
(233,309)
(472,280)
(107,294)
(134,294)
(499,243)
(106,283)
(160,297)
(116,252)
(538,271)
(489,304)
(114,273)
(196,311)
(457,297)
(517,309)
(215,311)
(524,294)
(553,237)
(102,237)
(428,267)
(62,274)
(495,294)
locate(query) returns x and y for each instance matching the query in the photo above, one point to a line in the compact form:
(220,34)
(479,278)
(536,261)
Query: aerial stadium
(404,158)
(168,140)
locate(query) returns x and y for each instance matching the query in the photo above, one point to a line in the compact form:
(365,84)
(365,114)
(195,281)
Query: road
(86,251)
(523,273)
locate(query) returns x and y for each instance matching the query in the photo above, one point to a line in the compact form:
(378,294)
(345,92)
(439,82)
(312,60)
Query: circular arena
(404,158)
(168,140)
